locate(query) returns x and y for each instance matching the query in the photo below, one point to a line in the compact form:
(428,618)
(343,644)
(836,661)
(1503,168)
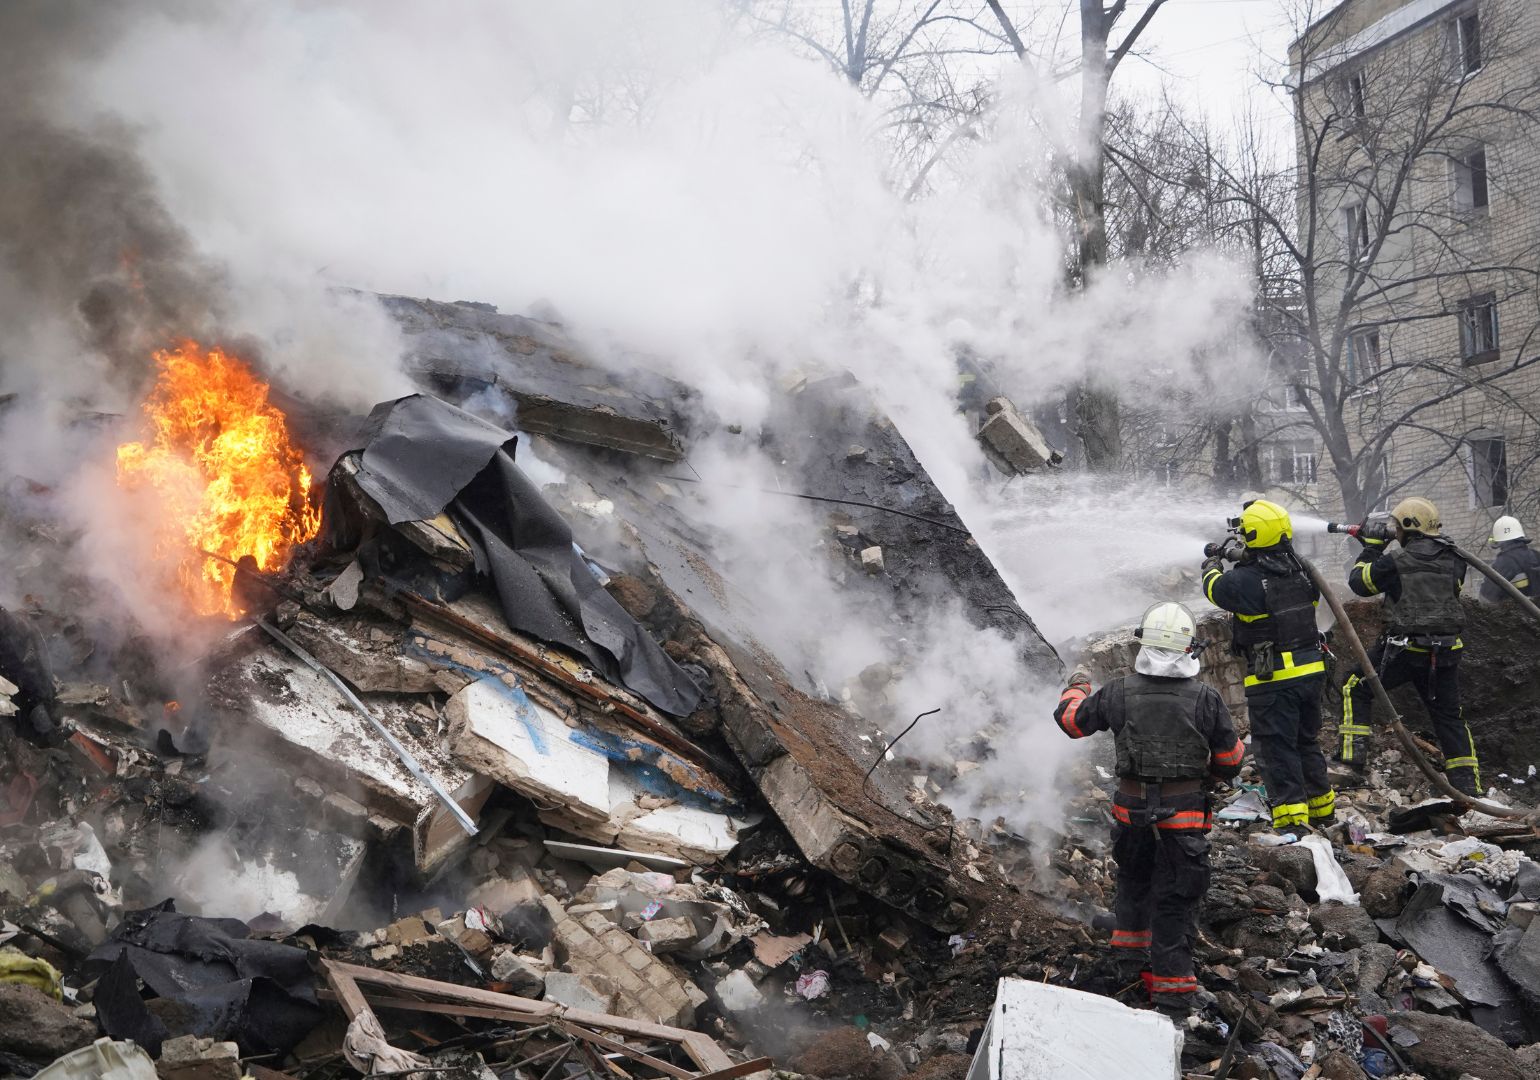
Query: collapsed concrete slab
(534,367)
(298,717)
(1041,1032)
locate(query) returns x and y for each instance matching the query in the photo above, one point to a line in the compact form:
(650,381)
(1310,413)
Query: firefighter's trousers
(1286,738)
(1162,875)
(1438,685)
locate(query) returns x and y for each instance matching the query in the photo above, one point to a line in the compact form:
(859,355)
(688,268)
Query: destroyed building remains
(506,772)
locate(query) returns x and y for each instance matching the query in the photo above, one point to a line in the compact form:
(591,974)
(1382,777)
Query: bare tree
(1389,277)
(1095,408)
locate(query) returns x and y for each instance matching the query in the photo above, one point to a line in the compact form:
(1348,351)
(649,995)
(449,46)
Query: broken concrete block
(871,559)
(1521,914)
(344,814)
(668,935)
(513,895)
(35,1025)
(383,953)
(1013,442)
(472,939)
(525,975)
(1037,1029)
(646,987)
(408,931)
(893,940)
(194,1058)
(738,994)
(591,991)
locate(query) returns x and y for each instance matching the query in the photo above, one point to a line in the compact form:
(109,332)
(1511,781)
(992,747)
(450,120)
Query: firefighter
(1421,580)
(1172,736)
(1273,602)
(1516,560)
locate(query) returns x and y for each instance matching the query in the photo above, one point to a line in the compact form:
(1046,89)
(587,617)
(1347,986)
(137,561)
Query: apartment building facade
(1418,174)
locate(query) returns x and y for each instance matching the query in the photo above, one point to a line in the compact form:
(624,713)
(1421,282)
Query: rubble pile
(502,778)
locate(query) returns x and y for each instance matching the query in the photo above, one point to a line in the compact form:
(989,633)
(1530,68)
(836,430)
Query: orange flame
(217,455)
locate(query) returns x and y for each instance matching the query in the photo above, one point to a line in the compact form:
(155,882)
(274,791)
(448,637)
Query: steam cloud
(663,180)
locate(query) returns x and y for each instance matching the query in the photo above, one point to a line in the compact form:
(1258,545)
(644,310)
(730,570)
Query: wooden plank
(340,979)
(702,1049)
(630,1051)
(743,1068)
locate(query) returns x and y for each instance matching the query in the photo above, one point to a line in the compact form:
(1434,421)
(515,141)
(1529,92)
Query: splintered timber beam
(346,981)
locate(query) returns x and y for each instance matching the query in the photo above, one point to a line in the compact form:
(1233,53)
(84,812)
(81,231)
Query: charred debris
(503,778)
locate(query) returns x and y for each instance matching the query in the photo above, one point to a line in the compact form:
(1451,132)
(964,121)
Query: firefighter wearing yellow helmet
(1421,579)
(1273,602)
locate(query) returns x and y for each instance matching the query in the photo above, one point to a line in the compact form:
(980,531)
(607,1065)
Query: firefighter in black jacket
(1516,561)
(1273,603)
(1421,580)
(1172,736)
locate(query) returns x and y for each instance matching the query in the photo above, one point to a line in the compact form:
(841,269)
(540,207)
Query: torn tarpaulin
(230,986)
(425,457)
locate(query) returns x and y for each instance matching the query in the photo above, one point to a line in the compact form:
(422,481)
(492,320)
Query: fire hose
(1372,677)
(1380,531)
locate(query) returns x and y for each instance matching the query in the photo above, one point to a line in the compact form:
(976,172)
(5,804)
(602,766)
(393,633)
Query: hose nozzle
(1342,527)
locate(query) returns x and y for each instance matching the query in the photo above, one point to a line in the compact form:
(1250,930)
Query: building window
(1470,181)
(1363,357)
(1291,462)
(1355,224)
(1467,43)
(1478,329)
(1355,95)
(1489,471)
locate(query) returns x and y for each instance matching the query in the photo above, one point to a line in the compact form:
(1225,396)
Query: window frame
(1356,376)
(1489,470)
(1356,89)
(1467,314)
(1461,40)
(1467,177)
(1356,230)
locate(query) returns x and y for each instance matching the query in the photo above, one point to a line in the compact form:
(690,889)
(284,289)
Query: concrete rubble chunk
(871,560)
(1344,926)
(1447,1048)
(192,1058)
(590,991)
(36,1026)
(1013,442)
(472,939)
(1037,1030)
(645,986)
(737,993)
(408,931)
(668,935)
(513,894)
(525,975)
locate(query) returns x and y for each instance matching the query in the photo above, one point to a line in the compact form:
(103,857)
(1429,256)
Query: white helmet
(1507,528)
(1168,626)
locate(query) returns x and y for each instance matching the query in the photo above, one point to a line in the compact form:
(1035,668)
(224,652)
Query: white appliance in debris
(1042,1032)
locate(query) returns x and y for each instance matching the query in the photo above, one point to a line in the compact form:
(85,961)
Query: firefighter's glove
(1370,543)
(1213,562)
(1080,678)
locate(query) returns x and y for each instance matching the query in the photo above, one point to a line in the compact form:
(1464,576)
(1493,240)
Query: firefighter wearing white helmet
(1421,579)
(1515,560)
(1172,736)
(1273,602)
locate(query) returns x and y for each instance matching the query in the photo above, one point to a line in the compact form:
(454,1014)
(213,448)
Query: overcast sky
(1208,53)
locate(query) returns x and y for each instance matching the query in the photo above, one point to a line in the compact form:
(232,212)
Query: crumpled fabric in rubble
(368,1051)
(260,994)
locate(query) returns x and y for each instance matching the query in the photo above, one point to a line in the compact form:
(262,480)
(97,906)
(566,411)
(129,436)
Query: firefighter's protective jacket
(1421,581)
(1520,564)
(1163,729)
(1273,601)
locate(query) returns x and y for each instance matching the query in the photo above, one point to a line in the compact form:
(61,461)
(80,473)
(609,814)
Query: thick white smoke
(668,184)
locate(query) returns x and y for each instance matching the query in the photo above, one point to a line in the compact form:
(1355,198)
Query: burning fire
(217,455)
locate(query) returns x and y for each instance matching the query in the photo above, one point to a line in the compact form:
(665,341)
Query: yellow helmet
(1417,515)
(1264,524)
